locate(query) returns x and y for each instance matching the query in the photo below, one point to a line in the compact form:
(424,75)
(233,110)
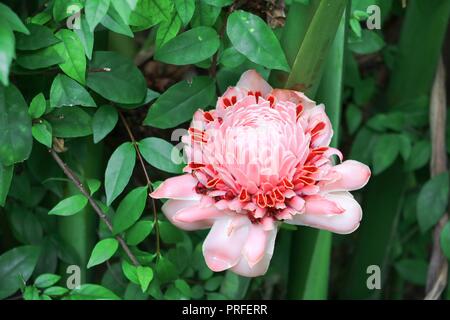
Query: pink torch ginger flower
(262,157)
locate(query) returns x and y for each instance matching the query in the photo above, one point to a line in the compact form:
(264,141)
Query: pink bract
(261,158)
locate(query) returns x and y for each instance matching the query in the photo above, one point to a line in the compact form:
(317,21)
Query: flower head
(261,158)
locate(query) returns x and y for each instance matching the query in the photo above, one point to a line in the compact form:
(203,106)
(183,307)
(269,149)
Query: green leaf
(124,8)
(7,51)
(37,106)
(70,205)
(158,153)
(118,171)
(252,37)
(169,233)
(150,12)
(55,291)
(205,15)
(92,292)
(114,22)
(145,276)
(354,117)
(41,18)
(167,30)
(177,104)
(46,280)
(68,92)
(149,97)
(93,185)
(185,9)
(419,156)
(16,266)
(189,47)
(42,132)
(123,83)
(218,3)
(103,251)
(385,152)
(183,287)
(104,121)
(95,11)
(213,283)
(42,58)
(412,270)
(231,58)
(138,232)
(39,37)
(70,122)
(165,270)
(30,293)
(15,123)
(130,271)
(72,50)
(6,174)
(445,240)
(370,42)
(432,201)
(10,17)
(86,37)
(64,8)
(130,209)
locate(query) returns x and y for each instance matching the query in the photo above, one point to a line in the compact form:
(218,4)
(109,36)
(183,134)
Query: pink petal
(320,205)
(345,222)
(222,247)
(172,207)
(252,81)
(179,188)
(293,96)
(255,246)
(198,213)
(353,175)
(297,203)
(247,269)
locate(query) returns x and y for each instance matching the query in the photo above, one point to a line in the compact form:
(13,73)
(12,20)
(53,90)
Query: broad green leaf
(189,47)
(149,97)
(124,8)
(25,225)
(169,233)
(185,9)
(41,18)
(67,92)
(95,11)
(213,283)
(167,30)
(122,82)
(385,152)
(46,280)
(205,15)
(65,8)
(103,251)
(42,132)
(93,185)
(15,124)
(252,37)
(72,50)
(104,121)
(432,201)
(37,106)
(6,174)
(92,292)
(70,122)
(218,3)
(11,18)
(70,205)
(158,153)
(56,291)
(445,240)
(145,275)
(130,271)
(231,58)
(42,58)
(370,42)
(114,22)
(177,104)
(354,117)
(184,287)
(86,37)
(30,293)
(412,270)
(118,171)
(16,266)
(419,156)
(39,37)
(7,52)
(150,12)
(138,232)
(165,270)
(130,209)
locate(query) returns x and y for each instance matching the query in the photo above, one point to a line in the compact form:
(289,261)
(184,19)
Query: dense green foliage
(91,90)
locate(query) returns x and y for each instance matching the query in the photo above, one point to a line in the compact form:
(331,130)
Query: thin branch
(438,267)
(147,178)
(76,181)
